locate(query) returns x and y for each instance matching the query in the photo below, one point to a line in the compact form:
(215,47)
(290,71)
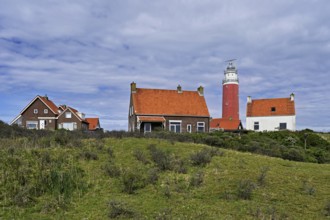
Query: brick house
(42,113)
(172,110)
(271,114)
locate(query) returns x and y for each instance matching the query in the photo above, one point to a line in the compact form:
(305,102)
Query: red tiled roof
(270,107)
(169,102)
(226,124)
(93,123)
(151,119)
(49,103)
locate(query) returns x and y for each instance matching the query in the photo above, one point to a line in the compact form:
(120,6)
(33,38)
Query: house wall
(63,119)
(29,115)
(188,120)
(271,123)
(185,120)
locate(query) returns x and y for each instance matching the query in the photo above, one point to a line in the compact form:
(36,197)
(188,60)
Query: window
(175,126)
(68,115)
(35,111)
(147,127)
(282,126)
(189,128)
(200,126)
(31,124)
(256,126)
(45,111)
(273,109)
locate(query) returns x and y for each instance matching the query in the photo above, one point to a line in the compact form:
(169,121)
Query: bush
(197,179)
(245,189)
(88,155)
(162,159)
(201,158)
(112,169)
(120,209)
(262,176)
(327,208)
(153,175)
(132,180)
(140,156)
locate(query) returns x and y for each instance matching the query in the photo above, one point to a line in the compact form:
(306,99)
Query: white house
(271,114)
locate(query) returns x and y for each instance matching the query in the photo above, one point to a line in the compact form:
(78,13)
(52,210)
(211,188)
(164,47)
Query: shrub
(110,152)
(262,176)
(197,179)
(165,214)
(161,158)
(132,180)
(112,169)
(179,165)
(88,155)
(140,156)
(327,208)
(201,158)
(153,175)
(120,209)
(245,189)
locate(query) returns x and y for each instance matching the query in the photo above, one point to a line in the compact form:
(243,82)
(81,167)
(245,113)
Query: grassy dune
(233,185)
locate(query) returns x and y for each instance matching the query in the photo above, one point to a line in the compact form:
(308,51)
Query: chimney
(200,90)
(249,100)
(292,97)
(179,89)
(133,87)
(46,97)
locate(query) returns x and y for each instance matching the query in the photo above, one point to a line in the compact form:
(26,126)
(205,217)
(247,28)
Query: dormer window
(35,111)
(68,115)
(273,109)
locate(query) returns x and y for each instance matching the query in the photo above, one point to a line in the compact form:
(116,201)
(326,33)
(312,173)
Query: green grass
(291,190)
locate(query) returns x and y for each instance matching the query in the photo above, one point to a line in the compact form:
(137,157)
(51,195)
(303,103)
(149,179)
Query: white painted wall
(271,123)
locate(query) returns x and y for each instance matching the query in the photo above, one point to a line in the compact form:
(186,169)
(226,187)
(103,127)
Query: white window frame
(45,111)
(189,128)
(174,123)
(200,124)
(68,115)
(32,123)
(35,111)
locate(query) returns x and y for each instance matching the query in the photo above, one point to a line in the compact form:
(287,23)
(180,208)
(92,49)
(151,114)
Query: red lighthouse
(230,106)
(230,103)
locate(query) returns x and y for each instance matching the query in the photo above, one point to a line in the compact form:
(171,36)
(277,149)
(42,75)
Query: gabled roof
(74,112)
(270,107)
(225,124)
(169,102)
(94,123)
(50,104)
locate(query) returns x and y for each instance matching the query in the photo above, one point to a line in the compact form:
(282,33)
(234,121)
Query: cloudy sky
(86,53)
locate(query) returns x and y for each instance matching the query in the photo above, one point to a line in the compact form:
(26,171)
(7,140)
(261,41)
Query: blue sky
(86,53)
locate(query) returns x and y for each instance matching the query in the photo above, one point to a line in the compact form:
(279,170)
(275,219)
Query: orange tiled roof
(226,124)
(151,119)
(93,123)
(169,102)
(49,103)
(270,107)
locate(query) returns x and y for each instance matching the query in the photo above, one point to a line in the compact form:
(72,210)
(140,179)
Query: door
(42,124)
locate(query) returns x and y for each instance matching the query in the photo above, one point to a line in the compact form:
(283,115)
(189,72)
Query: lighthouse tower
(230,96)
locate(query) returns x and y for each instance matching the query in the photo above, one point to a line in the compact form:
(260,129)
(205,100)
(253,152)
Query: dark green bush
(140,156)
(112,169)
(132,180)
(118,209)
(88,155)
(201,158)
(245,189)
(162,159)
(197,179)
